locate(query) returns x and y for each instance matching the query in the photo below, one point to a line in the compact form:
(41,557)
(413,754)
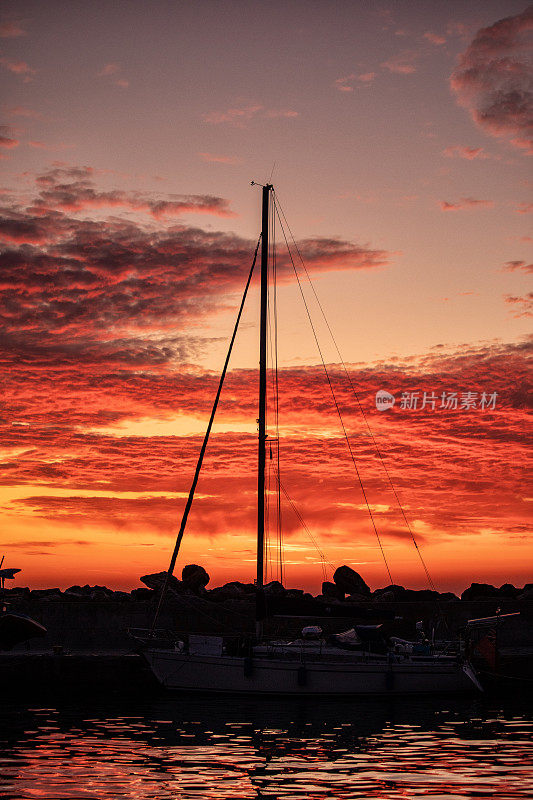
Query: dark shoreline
(87,646)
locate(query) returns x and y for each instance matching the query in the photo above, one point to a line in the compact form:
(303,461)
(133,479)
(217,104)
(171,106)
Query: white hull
(278,676)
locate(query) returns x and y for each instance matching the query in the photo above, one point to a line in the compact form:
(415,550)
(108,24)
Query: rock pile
(347,588)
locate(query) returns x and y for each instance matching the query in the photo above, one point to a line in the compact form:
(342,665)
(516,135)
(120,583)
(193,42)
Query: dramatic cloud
(466,203)
(493,79)
(73,189)
(98,318)
(78,290)
(456,468)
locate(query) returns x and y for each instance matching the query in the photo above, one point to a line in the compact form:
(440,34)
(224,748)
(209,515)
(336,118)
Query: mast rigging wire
(335,401)
(203,449)
(276,397)
(361,409)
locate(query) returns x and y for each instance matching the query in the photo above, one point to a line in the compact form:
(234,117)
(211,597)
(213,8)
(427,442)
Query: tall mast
(261,456)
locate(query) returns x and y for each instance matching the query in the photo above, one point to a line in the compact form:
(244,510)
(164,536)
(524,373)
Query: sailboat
(310,665)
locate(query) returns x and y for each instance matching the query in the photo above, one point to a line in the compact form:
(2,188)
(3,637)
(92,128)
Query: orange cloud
(454,469)
(100,319)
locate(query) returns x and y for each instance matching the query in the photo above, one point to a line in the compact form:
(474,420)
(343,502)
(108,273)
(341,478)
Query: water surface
(210,749)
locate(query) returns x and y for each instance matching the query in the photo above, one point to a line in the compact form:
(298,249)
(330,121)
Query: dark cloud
(81,290)
(73,189)
(521,306)
(493,79)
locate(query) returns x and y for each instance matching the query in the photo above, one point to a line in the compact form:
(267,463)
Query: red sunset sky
(399,137)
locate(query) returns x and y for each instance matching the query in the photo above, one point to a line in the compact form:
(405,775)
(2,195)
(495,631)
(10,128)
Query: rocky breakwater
(98,618)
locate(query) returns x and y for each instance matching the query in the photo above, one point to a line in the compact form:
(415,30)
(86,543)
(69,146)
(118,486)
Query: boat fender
(302,675)
(389,680)
(470,673)
(248,667)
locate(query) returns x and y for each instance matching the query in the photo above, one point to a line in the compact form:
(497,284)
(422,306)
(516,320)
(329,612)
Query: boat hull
(233,674)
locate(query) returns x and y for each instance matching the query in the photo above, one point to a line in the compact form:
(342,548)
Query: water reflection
(213,749)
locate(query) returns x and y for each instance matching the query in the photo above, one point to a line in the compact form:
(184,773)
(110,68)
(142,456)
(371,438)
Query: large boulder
(384,595)
(18,592)
(274,588)
(399,594)
(394,592)
(46,594)
(445,596)
(480,591)
(121,596)
(89,593)
(526,593)
(194,578)
(156,581)
(348,581)
(101,593)
(508,591)
(234,590)
(295,594)
(355,597)
(331,591)
(142,594)
(76,592)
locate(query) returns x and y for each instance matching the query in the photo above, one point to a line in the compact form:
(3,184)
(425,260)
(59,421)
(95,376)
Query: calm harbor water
(210,749)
